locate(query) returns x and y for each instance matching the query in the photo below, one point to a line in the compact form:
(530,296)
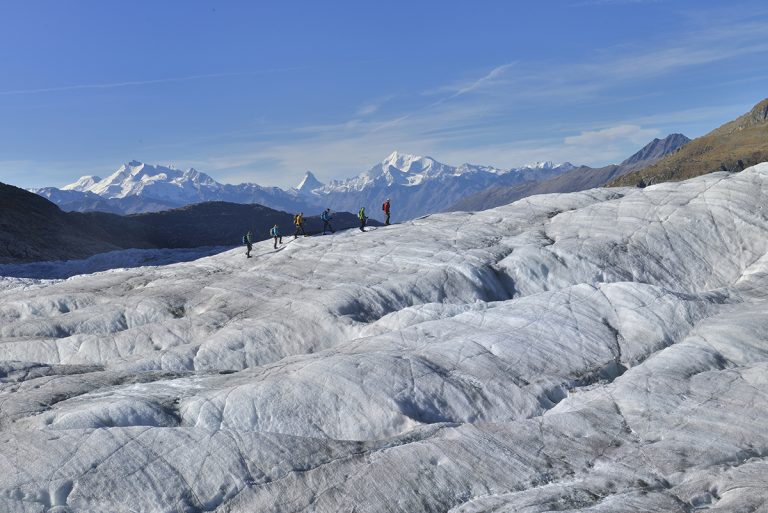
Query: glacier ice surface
(598,351)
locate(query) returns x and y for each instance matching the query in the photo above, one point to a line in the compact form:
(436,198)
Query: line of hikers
(364,219)
(298,222)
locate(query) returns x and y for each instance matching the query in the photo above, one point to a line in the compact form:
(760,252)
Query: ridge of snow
(163,182)
(548,164)
(82,184)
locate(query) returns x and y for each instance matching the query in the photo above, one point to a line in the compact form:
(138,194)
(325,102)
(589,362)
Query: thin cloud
(611,135)
(621,65)
(486,79)
(340,151)
(366,110)
(477,84)
(373,106)
(130,83)
(454,90)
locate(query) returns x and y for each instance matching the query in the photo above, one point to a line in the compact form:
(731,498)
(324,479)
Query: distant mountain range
(416,185)
(421,185)
(34,229)
(734,146)
(174,208)
(137,187)
(576,179)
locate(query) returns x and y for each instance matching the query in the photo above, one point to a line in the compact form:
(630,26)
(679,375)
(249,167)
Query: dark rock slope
(34,229)
(578,179)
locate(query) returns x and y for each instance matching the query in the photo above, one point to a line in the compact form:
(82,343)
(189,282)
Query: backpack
(245,239)
(297,220)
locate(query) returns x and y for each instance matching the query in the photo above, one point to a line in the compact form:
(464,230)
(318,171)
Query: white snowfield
(603,351)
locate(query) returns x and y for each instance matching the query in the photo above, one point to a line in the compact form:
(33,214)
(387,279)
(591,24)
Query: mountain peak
(392,156)
(657,149)
(734,146)
(548,165)
(402,160)
(83,183)
(757,116)
(309,183)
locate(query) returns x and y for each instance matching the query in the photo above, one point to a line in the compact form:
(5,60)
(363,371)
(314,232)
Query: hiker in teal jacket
(275,233)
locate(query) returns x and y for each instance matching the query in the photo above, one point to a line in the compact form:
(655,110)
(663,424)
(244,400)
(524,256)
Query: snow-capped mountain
(308,183)
(419,185)
(416,185)
(406,170)
(158,182)
(83,184)
(598,352)
(138,187)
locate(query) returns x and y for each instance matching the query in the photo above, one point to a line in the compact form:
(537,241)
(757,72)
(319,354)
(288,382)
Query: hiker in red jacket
(385,208)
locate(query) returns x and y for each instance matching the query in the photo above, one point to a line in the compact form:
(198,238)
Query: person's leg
(275,242)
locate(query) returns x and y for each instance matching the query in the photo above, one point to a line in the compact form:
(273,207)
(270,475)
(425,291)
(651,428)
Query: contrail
(494,73)
(142,82)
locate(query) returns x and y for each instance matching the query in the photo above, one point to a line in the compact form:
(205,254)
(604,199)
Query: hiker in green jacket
(363,219)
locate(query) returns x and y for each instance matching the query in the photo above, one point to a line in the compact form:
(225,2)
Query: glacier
(598,351)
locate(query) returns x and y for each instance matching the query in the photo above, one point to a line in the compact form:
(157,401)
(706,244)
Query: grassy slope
(734,146)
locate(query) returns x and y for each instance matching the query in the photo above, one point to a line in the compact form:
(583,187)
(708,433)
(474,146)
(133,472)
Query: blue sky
(262,91)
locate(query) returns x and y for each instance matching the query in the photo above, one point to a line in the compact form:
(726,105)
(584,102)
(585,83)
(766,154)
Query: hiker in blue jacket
(326,217)
(275,232)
